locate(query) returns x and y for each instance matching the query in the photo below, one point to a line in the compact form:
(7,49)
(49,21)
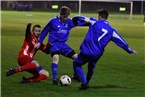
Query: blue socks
(89,75)
(81,74)
(54,68)
(75,72)
(91,67)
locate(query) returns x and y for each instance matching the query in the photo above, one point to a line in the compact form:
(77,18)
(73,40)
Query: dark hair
(64,10)
(103,13)
(36,26)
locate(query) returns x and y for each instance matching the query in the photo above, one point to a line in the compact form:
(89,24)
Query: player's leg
(43,74)
(73,55)
(26,63)
(33,71)
(91,67)
(39,74)
(55,59)
(70,53)
(54,67)
(78,62)
(28,79)
(32,64)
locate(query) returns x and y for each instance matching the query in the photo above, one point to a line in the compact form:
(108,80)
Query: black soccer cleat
(55,82)
(10,72)
(76,78)
(24,80)
(83,87)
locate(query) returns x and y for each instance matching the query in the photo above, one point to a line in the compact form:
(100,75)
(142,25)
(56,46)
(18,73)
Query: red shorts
(23,60)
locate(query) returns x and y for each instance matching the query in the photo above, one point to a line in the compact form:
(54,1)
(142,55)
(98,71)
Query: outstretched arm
(44,32)
(43,35)
(117,39)
(28,30)
(83,21)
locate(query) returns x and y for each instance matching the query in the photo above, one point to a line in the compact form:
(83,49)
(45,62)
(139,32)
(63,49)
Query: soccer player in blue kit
(59,29)
(99,34)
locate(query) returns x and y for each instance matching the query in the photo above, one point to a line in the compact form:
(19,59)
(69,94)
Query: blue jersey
(98,36)
(58,31)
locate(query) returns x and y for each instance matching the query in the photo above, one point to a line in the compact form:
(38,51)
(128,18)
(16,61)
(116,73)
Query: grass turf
(117,74)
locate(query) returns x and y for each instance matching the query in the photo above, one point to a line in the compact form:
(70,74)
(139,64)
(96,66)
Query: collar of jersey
(58,17)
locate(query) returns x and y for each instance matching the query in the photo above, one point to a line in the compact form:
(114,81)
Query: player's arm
(79,21)
(83,21)
(28,31)
(44,32)
(43,35)
(118,40)
(45,48)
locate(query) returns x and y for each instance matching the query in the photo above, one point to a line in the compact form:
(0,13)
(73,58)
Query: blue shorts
(83,59)
(62,48)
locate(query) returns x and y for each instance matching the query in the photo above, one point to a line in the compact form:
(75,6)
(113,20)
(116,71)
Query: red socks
(37,78)
(26,67)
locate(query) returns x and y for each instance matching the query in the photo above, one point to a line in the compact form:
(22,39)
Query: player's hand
(37,45)
(134,52)
(28,23)
(75,20)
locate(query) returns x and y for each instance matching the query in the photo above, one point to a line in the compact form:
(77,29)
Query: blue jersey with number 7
(98,36)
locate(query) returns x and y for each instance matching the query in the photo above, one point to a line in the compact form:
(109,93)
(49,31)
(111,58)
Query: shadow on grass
(109,87)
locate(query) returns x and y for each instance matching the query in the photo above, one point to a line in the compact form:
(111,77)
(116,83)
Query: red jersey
(28,46)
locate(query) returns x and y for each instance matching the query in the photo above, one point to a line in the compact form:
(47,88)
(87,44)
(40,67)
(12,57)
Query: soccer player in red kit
(26,57)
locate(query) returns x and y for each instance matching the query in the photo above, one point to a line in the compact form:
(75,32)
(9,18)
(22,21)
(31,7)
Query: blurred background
(114,6)
(117,74)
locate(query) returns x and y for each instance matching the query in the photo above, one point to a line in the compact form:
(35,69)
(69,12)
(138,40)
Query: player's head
(64,13)
(36,30)
(103,14)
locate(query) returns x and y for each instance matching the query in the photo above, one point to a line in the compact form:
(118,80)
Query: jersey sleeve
(28,32)
(42,47)
(83,21)
(45,32)
(45,48)
(118,40)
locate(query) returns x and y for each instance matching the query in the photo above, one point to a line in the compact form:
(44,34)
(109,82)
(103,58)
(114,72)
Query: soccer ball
(65,80)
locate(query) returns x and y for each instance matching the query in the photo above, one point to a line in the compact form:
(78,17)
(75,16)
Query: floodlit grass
(117,74)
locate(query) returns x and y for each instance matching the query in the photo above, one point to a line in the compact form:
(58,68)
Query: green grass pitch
(118,74)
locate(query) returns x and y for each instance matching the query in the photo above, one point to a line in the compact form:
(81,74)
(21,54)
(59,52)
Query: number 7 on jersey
(105,32)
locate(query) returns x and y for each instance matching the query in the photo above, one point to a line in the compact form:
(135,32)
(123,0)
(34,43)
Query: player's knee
(74,56)
(45,73)
(35,62)
(55,58)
